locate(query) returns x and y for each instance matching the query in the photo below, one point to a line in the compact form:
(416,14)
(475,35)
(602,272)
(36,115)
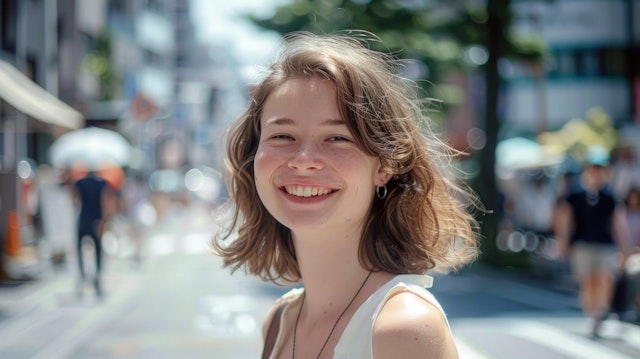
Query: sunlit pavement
(176,303)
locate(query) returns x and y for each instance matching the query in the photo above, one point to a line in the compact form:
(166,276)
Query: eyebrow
(285,121)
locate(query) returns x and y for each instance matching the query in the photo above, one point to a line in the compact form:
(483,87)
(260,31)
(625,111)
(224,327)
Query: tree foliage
(99,63)
(438,33)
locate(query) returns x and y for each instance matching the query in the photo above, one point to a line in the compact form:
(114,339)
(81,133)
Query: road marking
(627,332)
(558,333)
(92,321)
(570,345)
(536,297)
(21,328)
(466,351)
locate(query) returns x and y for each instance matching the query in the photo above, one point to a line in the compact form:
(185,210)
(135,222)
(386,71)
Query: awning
(26,96)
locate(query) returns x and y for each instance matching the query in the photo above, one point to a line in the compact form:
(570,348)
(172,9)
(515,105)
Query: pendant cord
(295,328)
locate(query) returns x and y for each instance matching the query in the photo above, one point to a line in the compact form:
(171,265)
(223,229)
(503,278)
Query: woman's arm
(562,225)
(621,232)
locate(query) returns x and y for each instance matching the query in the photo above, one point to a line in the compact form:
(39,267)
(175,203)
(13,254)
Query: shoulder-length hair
(423,224)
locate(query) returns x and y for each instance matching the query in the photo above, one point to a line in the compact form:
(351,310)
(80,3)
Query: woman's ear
(383,178)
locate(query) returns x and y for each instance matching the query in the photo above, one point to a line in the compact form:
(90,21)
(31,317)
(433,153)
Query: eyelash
(336,138)
(281,137)
(340,138)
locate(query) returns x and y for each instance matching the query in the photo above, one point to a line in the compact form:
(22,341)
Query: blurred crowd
(137,202)
(532,198)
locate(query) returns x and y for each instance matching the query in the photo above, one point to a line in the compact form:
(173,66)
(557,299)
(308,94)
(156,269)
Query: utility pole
(21,125)
(632,65)
(497,24)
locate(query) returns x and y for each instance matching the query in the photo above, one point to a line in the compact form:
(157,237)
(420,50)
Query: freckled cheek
(263,161)
(266,163)
(349,159)
(356,164)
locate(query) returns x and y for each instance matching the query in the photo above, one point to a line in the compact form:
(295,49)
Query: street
(501,318)
(179,303)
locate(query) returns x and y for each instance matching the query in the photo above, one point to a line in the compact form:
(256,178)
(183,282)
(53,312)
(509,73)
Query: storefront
(26,112)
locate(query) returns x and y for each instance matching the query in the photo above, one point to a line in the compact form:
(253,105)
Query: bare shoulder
(410,325)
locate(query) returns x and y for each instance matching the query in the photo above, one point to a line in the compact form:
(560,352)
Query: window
(593,62)
(614,62)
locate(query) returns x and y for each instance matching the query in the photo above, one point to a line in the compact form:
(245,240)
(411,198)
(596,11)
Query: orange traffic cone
(13,245)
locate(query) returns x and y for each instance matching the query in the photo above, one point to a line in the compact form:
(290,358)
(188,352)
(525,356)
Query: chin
(302,224)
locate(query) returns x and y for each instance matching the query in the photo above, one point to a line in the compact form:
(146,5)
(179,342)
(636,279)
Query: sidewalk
(185,231)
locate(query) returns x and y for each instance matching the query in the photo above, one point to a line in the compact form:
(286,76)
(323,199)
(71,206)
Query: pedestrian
(338,184)
(625,170)
(93,195)
(590,233)
(631,213)
(631,210)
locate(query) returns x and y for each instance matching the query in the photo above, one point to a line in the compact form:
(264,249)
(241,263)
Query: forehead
(302,98)
(300,86)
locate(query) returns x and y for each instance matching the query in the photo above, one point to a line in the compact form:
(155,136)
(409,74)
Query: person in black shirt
(590,234)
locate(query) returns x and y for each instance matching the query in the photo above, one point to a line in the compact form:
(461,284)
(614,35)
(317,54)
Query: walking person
(590,233)
(338,184)
(92,194)
(625,170)
(631,214)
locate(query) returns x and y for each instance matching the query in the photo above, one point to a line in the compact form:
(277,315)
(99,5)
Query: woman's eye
(281,137)
(339,139)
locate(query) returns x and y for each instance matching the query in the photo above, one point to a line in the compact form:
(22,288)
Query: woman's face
(310,173)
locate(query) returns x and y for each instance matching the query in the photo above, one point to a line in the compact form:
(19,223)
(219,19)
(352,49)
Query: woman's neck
(330,268)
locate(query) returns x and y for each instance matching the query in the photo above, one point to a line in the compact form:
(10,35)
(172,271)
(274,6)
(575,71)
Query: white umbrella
(92,147)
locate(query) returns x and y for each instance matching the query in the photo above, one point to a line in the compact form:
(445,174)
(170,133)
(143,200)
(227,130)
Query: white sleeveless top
(356,342)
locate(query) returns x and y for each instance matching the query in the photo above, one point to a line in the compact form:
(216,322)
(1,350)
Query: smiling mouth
(307,191)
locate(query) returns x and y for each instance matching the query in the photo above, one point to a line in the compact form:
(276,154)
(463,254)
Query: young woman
(338,184)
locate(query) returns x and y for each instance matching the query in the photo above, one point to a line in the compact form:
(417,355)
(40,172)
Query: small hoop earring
(381,192)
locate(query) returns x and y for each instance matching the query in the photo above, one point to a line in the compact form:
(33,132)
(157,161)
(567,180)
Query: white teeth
(300,191)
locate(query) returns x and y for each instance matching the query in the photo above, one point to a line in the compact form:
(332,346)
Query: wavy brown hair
(425,222)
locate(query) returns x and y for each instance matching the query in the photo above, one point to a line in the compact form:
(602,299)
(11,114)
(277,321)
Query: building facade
(68,64)
(594,47)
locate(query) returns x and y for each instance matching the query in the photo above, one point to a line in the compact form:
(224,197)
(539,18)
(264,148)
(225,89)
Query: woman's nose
(305,158)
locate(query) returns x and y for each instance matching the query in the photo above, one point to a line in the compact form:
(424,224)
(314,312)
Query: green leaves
(434,32)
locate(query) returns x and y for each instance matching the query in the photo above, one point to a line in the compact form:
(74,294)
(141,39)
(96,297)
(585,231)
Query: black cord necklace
(295,329)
